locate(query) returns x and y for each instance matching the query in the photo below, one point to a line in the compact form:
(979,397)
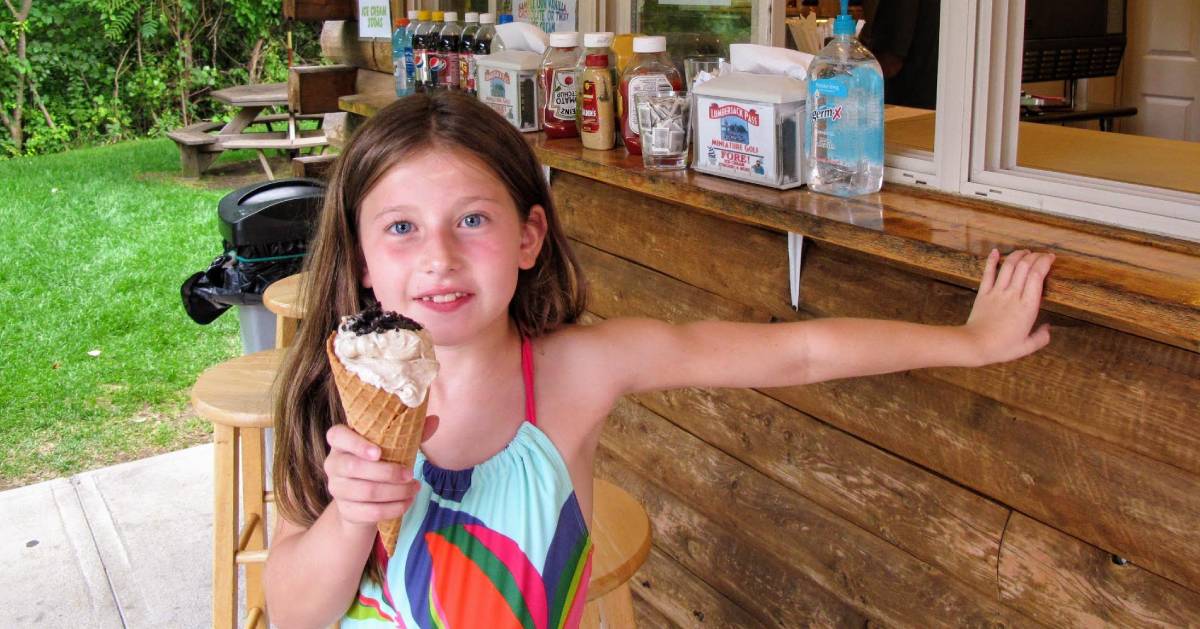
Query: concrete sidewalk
(123,546)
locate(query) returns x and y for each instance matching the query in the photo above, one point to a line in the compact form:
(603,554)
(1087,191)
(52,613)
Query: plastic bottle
(414,21)
(464,49)
(844,143)
(443,67)
(597,124)
(481,46)
(422,38)
(498,41)
(559,78)
(399,44)
(650,70)
(597,44)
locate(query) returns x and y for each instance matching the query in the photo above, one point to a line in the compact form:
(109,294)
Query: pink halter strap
(527,376)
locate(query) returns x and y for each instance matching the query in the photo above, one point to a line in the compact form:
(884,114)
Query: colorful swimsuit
(501,544)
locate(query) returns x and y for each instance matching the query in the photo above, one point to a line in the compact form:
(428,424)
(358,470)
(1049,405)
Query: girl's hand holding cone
(366,489)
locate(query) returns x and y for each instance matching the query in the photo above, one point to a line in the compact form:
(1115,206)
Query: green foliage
(108,70)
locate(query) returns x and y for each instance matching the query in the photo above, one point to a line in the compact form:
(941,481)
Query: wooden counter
(1062,489)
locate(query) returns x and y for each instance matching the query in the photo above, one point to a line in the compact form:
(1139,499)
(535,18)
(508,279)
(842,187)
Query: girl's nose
(440,253)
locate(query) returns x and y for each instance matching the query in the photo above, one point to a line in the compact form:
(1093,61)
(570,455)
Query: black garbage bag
(235,279)
(265,228)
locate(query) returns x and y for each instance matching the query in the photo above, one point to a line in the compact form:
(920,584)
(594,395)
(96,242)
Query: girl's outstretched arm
(651,355)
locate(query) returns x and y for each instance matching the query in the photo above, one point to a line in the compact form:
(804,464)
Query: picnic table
(201,143)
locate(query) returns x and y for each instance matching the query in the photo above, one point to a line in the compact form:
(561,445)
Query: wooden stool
(283,299)
(621,543)
(236,397)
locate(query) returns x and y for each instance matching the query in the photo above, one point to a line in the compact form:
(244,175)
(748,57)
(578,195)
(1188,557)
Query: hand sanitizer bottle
(844,142)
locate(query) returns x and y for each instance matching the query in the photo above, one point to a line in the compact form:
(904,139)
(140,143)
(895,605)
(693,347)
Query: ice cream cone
(384,420)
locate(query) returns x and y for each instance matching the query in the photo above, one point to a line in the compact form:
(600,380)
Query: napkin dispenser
(508,83)
(750,127)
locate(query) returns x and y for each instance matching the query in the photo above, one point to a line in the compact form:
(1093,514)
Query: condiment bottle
(597,44)
(559,76)
(597,126)
(651,71)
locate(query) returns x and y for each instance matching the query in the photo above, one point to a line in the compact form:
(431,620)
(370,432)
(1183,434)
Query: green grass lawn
(93,248)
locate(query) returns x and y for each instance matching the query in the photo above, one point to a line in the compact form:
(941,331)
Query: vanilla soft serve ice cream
(389,351)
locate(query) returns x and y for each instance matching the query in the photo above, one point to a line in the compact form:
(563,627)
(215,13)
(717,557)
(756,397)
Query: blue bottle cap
(844,24)
(505,18)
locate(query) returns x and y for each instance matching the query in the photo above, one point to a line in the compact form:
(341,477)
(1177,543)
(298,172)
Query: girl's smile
(443,243)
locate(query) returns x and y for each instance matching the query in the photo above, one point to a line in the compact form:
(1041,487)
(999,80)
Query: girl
(438,209)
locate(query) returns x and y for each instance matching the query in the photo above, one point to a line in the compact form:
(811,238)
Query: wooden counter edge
(1174,323)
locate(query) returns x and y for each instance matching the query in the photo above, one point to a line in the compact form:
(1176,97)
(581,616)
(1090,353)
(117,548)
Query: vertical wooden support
(253,507)
(225,522)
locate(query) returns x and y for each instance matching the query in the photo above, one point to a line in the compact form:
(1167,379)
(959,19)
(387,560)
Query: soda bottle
(443,70)
(414,21)
(421,40)
(399,43)
(464,49)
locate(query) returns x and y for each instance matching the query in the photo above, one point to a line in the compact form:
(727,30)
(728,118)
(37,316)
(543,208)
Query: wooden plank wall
(1059,490)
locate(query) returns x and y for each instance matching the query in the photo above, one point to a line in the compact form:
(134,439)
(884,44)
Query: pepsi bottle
(444,70)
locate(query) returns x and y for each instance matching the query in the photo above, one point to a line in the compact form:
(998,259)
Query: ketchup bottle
(559,79)
(650,70)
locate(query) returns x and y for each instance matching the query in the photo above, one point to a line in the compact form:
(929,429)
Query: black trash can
(265,229)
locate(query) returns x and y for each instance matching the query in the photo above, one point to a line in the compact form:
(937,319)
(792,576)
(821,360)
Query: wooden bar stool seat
(283,299)
(236,397)
(620,543)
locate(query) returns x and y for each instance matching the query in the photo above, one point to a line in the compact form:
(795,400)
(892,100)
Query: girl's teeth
(441,299)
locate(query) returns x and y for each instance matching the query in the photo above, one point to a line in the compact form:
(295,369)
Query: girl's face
(443,242)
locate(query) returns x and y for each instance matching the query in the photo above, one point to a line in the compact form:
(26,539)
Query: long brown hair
(550,294)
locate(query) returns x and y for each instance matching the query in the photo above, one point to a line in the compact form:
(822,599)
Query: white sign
(374,19)
(736,138)
(699,3)
(552,16)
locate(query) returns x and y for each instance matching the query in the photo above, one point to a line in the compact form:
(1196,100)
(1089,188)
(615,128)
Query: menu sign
(552,16)
(374,19)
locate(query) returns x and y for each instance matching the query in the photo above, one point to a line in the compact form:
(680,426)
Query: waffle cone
(384,420)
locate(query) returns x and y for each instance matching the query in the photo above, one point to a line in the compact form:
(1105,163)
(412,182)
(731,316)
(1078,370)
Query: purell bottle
(844,143)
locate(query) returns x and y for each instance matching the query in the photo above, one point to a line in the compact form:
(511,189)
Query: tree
(12,114)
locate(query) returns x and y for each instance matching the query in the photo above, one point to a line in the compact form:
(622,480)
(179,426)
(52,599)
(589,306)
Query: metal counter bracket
(795,249)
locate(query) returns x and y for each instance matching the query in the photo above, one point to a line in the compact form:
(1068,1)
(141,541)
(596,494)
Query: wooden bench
(201,143)
(197,146)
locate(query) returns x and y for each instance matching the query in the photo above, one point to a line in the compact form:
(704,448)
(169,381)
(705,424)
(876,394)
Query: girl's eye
(400,227)
(474,220)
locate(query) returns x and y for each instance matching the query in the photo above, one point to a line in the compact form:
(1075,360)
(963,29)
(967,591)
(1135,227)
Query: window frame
(989,167)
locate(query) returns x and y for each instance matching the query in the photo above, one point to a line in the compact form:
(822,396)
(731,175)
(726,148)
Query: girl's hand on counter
(1000,327)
